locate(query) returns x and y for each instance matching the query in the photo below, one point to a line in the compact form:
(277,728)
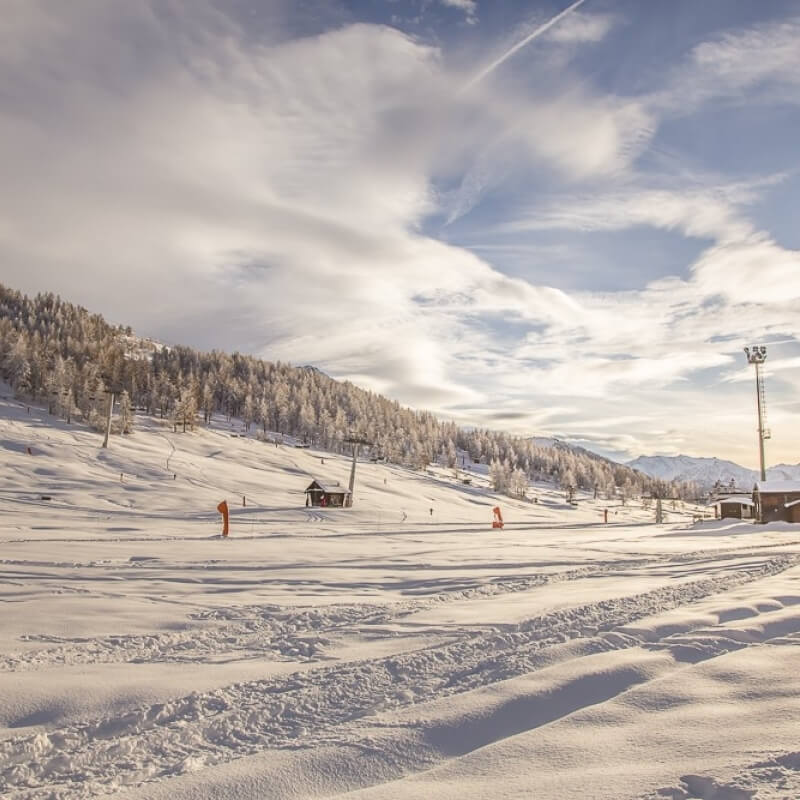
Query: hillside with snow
(56,353)
(708,471)
(402,648)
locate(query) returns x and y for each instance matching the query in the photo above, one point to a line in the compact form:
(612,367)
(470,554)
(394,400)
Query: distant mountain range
(707,471)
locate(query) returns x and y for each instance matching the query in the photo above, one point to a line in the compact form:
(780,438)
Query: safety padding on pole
(223,509)
(497,522)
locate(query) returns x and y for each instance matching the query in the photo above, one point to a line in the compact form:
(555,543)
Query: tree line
(58,353)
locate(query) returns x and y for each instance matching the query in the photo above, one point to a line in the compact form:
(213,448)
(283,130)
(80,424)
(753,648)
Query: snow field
(322,653)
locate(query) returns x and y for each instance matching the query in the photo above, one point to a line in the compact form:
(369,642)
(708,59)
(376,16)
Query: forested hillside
(59,354)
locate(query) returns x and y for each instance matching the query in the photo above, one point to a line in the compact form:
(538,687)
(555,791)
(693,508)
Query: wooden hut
(328,495)
(733,506)
(777,500)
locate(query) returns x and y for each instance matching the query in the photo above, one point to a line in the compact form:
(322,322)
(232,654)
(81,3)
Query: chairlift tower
(757,355)
(111,391)
(355,441)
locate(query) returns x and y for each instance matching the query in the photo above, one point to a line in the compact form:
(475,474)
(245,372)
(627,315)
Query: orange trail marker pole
(223,509)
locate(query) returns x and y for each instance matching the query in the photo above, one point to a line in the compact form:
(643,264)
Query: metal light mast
(757,355)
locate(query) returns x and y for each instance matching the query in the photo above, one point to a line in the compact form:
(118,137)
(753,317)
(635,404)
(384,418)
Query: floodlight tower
(757,355)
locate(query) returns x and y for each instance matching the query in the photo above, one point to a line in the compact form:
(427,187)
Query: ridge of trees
(59,353)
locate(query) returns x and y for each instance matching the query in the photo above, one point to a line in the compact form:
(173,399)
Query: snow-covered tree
(125,413)
(499,475)
(518,483)
(16,366)
(451,454)
(185,411)
(249,411)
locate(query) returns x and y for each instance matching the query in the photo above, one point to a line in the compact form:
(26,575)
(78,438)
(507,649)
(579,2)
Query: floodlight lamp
(756,354)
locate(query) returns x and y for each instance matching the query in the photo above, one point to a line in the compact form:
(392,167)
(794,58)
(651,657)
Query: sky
(541,217)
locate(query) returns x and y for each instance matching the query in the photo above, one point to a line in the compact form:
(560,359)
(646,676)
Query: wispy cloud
(771,367)
(580,28)
(179,168)
(526,40)
(764,56)
(469,7)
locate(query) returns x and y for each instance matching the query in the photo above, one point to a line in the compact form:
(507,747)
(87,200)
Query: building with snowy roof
(777,500)
(733,506)
(328,495)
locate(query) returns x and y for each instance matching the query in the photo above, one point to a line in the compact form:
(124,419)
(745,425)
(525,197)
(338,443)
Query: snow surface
(382,651)
(778,486)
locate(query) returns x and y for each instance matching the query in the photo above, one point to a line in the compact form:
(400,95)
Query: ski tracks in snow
(288,633)
(326,703)
(267,631)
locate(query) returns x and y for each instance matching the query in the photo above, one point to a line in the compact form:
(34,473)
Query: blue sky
(547,217)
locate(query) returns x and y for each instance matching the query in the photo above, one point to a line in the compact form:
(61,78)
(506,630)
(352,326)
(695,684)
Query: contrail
(520,44)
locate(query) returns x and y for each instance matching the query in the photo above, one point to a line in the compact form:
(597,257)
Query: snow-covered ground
(398,649)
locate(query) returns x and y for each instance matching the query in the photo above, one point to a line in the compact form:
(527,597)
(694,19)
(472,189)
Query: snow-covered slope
(784,472)
(400,649)
(707,471)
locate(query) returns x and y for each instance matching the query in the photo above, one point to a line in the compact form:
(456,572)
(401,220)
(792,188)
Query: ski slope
(398,649)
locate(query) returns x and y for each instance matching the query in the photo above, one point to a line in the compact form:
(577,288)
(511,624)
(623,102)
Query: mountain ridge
(706,471)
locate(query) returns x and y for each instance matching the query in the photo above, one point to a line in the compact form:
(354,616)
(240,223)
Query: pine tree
(518,483)
(499,475)
(16,366)
(125,413)
(263,415)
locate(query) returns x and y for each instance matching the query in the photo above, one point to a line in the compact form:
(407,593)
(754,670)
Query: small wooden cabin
(734,506)
(328,495)
(777,501)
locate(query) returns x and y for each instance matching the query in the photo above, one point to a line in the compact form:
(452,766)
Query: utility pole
(355,441)
(112,389)
(757,355)
(110,394)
